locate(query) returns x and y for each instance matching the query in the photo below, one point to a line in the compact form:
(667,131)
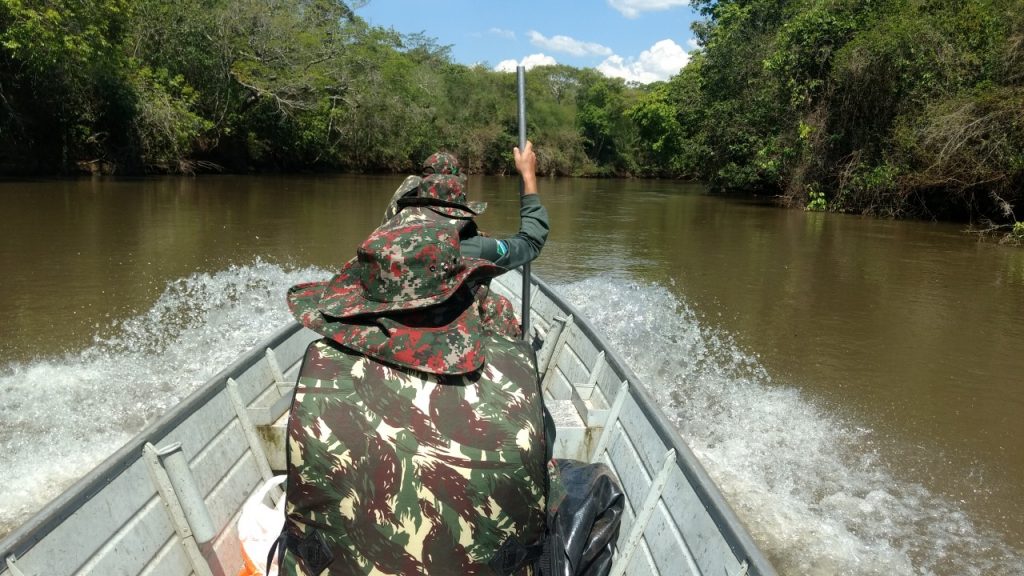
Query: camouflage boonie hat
(405,299)
(443,339)
(441,163)
(444,194)
(402,267)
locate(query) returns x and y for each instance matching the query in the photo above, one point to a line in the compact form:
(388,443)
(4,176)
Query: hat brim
(443,207)
(343,296)
(474,208)
(408,186)
(441,339)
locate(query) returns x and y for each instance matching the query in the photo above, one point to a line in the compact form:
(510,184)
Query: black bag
(584,515)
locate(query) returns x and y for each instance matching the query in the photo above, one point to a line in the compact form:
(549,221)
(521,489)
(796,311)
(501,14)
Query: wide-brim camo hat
(443,339)
(402,266)
(445,194)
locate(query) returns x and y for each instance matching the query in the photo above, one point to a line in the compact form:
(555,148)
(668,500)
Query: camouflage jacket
(392,471)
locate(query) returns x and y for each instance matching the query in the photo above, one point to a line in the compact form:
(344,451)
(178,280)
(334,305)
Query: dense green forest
(903,108)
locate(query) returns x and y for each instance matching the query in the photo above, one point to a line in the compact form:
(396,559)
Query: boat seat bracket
(644,514)
(610,419)
(12,566)
(547,354)
(275,368)
(587,390)
(251,436)
(588,398)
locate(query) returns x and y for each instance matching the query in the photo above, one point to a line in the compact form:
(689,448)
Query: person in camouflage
(415,439)
(440,194)
(447,183)
(441,199)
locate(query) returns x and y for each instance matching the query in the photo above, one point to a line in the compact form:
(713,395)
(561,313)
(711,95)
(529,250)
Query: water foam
(811,485)
(60,417)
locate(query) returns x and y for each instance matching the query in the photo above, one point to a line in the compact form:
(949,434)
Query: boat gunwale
(72,498)
(722,514)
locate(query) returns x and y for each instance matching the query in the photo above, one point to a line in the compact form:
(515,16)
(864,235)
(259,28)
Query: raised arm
(514,251)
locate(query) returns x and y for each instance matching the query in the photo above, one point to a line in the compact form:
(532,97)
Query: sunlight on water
(60,417)
(809,484)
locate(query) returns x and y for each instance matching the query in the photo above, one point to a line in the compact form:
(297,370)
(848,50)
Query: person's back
(416,441)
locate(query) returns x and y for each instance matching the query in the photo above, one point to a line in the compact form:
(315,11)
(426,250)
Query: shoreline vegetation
(891,108)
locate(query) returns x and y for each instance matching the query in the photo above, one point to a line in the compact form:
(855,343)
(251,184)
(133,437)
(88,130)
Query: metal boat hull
(138,513)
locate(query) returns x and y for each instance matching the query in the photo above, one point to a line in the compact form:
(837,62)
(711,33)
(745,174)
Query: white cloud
(568,45)
(529,62)
(660,62)
(693,44)
(503,33)
(633,8)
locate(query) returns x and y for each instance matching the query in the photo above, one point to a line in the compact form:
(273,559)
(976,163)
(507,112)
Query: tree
(59,61)
(600,115)
(659,134)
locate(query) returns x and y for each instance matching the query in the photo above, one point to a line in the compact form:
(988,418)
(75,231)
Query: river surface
(855,386)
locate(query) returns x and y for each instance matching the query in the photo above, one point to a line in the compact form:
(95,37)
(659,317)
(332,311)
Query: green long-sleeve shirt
(516,250)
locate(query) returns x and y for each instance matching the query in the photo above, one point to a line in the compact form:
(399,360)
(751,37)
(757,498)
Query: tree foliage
(58,62)
(274,85)
(891,107)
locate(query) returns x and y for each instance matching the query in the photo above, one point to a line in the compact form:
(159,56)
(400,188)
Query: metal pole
(521,90)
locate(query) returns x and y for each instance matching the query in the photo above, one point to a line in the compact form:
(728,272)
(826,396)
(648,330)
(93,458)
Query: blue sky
(639,40)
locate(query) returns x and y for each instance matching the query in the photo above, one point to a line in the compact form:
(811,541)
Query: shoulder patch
(502,248)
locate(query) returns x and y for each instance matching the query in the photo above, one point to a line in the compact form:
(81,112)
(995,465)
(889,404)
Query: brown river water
(855,386)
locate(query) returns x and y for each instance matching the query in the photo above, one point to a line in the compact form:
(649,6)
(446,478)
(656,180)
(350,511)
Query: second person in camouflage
(440,196)
(443,180)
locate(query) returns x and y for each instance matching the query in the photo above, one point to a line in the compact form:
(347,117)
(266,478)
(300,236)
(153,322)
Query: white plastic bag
(259,526)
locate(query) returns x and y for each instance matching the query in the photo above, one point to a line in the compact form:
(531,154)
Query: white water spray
(810,485)
(60,417)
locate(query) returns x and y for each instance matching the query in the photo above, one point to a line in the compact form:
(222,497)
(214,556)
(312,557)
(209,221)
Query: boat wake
(810,485)
(60,417)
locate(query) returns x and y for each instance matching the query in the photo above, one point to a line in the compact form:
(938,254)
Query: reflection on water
(853,384)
